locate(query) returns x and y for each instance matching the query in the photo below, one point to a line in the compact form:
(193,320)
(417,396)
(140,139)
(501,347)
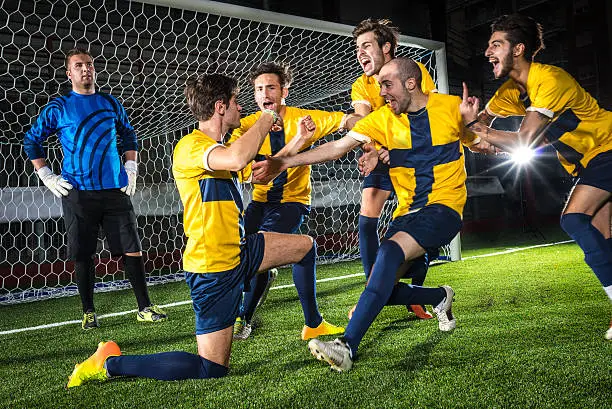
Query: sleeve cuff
(359,137)
(205,156)
(361,101)
(546,112)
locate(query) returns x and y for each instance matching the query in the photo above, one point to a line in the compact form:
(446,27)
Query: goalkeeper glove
(131,168)
(55,183)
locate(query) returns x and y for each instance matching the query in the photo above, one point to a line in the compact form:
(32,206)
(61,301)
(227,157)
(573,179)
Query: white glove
(56,183)
(131,168)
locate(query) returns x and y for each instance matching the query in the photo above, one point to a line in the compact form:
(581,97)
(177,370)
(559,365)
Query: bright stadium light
(522,155)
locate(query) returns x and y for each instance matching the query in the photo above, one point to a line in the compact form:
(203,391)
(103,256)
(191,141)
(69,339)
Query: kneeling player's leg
(212,362)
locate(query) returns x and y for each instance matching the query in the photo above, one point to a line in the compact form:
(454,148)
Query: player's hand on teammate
(306,128)
(368,161)
(484,147)
(278,124)
(55,183)
(266,170)
(131,168)
(470,106)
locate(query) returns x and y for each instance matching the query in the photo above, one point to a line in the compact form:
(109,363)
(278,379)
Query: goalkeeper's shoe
(242,329)
(90,321)
(336,353)
(609,332)
(324,328)
(151,314)
(446,321)
(420,311)
(93,367)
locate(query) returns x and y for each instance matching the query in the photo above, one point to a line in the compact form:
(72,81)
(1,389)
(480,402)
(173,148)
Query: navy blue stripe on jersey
(220,190)
(277,142)
(525,99)
(566,122)
(423,156)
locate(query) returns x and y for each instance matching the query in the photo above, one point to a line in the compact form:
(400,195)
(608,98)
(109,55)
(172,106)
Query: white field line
(176,304)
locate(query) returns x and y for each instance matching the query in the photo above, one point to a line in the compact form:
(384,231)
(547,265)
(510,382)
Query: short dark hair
(407,68)
(204,91)
(281,70)
(73,52)
(383,31)
(521,29)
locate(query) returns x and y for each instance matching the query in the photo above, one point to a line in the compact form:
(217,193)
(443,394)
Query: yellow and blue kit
(579,128)
(427,163)
(213,208)
(293,185)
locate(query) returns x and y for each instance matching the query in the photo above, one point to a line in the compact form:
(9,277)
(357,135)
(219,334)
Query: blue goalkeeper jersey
(94,131)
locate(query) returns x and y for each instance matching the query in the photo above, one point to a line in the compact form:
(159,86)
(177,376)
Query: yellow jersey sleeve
(245,124)
(427,83)
(371,129)
(506,101)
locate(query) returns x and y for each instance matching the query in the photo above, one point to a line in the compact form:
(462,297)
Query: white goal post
(143,53)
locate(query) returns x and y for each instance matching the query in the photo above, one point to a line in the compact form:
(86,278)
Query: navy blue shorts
(598,173)
(432,227)
(276,217)
(217,296)
(379,178)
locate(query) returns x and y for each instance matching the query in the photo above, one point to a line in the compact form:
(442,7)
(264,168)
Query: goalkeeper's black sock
(86,279)
(135,269)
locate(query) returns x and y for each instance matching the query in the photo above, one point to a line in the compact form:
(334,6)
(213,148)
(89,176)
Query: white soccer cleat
(242,330)
(336,353)
(609,333)
(446,321)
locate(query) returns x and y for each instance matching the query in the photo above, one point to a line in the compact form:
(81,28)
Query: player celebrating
(560,112)
(423,133)
(95,185)
(280,206)
(219,258)
(376,44)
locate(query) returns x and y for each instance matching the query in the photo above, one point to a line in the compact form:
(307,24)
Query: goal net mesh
(143,55)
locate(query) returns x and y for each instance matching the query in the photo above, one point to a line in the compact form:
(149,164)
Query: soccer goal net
(143,53)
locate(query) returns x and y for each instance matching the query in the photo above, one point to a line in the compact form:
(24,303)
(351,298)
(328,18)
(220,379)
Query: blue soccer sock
(251,298)
(610,243)
(165,366)
(418,270)
(406,294)
(368,242)
(596,248)
(374,297)
(305,280)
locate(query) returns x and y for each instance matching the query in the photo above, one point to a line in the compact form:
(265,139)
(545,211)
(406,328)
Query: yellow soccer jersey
(580,129)
(427,164)
(213,209)
(293,185)
(366,90)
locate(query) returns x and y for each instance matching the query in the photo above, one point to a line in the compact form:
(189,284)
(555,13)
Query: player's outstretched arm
(306,130)
(265,171)
(529,134)
(240,153)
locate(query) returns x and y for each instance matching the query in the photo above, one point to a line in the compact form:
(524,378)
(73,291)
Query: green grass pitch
(530,335)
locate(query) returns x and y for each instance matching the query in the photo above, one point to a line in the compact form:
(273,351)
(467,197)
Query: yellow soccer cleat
(324,328)
(93,367)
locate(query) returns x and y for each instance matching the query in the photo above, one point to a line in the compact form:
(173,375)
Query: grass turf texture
(530,334)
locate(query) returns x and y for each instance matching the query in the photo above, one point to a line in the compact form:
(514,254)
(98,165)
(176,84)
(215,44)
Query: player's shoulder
(362,80)
(540,73)
(444,99)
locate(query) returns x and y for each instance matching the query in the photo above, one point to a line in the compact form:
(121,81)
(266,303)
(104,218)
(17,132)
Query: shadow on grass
(417,357)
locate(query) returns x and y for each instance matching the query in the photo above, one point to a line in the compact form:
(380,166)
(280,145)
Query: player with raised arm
(376,44)
(559,112)
(281,205)
(423,134)
(95,185)
(219,257)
